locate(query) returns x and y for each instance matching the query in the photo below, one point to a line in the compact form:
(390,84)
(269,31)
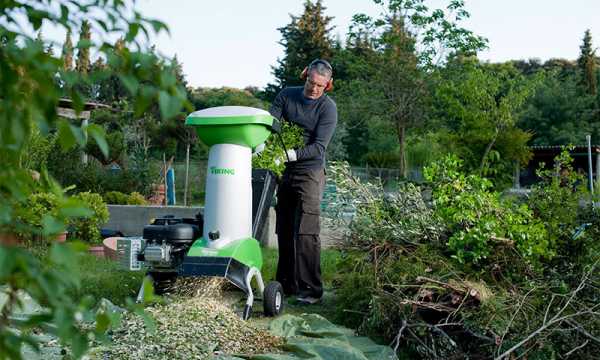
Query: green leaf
(130,83)
(99,135)
(103,322)
(50,225)
(79,345)
(148,290)
(133,31)
(169,105)
(65,138)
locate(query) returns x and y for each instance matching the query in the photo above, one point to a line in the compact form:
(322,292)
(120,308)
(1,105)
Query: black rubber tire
(273,299)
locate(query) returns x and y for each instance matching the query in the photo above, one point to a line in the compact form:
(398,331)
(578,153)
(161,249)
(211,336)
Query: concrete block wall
(130,220)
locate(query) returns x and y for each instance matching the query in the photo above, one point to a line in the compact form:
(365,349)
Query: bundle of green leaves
(479,221)
(274,156)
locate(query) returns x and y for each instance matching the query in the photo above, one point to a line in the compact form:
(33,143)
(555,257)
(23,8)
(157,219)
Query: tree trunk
(487,151)
(402,141)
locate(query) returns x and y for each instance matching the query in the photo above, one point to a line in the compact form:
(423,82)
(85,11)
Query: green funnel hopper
(238,125)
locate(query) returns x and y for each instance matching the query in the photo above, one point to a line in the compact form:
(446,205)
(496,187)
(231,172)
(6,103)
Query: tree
(82,64)
(480,105)
(304,39)
(587,65)
(558,113)
(67,52)
(30,98)
(402,45)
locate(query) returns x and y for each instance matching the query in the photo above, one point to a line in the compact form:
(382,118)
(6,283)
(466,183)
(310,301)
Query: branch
(397,338)
(558,317)
(577,348)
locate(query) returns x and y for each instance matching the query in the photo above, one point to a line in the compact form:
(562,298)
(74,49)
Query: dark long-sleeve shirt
(317,117)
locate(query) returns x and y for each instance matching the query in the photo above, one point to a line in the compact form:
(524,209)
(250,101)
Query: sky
(234,43)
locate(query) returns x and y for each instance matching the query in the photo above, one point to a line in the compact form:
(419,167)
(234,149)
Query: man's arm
(276,109)
(322,135)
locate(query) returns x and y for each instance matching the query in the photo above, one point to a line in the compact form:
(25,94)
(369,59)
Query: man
(301,189)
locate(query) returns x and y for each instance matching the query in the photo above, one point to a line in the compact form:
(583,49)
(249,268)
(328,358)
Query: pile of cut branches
(494,294)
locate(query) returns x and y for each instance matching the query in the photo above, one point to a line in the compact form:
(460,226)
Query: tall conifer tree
(305,38)
(67,52)
(587,65)
(83,54)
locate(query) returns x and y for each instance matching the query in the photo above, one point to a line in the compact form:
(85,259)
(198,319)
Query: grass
(329,261)
(102,278)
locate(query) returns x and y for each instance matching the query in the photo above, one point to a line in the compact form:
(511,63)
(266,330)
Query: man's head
(319,78)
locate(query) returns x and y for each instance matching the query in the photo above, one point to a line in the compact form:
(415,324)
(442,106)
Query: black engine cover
(173,230)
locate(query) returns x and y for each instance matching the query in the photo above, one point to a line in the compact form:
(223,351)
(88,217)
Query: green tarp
(311,336)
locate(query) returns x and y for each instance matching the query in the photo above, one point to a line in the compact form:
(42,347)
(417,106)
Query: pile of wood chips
(195,323)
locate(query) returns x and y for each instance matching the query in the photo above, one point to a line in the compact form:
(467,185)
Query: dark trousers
(298,226)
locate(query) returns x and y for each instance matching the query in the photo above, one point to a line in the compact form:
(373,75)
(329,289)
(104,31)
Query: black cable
(284,148)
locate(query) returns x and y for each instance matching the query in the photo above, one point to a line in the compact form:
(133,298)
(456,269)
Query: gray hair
(321,68)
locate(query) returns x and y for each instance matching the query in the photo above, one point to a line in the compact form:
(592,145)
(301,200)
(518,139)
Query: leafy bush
(119,198)
(479,221)
(88,228)
(37,211)
(555,200)
(115,198)
(67,168)
(135,198)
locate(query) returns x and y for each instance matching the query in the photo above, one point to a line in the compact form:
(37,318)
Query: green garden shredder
(223,242)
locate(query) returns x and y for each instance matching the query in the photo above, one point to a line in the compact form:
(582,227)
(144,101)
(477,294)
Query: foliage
(39,209)
(587,65)
(273,157)
(203,98)
(33,80)
(479,104)
(135,198)
(105,279)
(555,200)
(119,198)
(423,299)
(479,221)
(305,38)
(384,71)
(37,150)
(437,31)
(66,167)
(558,113)
(383,222)
(87,228)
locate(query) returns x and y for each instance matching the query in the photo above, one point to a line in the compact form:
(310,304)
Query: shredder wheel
(273,299)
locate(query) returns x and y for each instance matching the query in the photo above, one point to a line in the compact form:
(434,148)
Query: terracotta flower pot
(62,237)
(110,247)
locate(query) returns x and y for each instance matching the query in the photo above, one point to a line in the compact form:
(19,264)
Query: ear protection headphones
(304,74)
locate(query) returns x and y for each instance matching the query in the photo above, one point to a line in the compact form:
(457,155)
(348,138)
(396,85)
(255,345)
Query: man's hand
(291,156)
(259,148)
